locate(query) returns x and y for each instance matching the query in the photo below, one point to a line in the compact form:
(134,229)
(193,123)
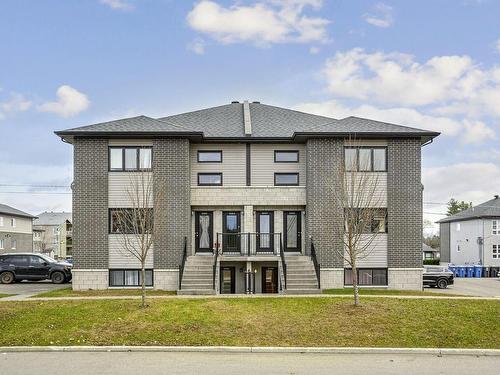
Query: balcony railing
(249,244)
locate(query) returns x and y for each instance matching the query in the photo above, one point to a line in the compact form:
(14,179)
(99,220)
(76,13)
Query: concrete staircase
(300,275)
(198,275)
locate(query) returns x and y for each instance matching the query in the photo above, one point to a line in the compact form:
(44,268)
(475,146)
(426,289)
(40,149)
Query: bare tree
(364,219)
(135,223)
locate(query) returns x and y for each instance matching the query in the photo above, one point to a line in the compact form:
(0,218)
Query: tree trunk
(355,284)
(143,283)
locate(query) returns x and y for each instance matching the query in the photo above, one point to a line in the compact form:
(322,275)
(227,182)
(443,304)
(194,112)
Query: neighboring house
(16,230)
(472,236)
(429,253)
(56,231)
(249,180)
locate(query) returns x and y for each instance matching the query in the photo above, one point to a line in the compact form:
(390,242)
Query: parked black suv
(437,276)
(28,266)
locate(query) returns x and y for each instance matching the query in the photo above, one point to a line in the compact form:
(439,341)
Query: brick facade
(404,209)
(172,211)
(324,214)
(90,203)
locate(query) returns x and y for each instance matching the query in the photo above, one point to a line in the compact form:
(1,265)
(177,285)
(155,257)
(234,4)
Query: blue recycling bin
(461,271)
(470,271)
(478,270)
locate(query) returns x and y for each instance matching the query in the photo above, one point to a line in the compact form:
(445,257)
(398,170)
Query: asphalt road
(487,287)
(242,363)
(29,288)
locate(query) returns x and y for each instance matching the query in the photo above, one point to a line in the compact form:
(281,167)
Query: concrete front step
(302,291)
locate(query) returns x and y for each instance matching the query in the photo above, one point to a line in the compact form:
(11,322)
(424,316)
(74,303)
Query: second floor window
(495,227)
(366,220)
(286,156)
(209,156)
(130,220)
(130,158)
(286,179)
(1,221)
(365,159)
(13,223)
(13,245)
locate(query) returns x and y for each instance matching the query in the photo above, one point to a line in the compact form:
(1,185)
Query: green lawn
(386,292)
(379,322)
(68,292)
(5,295)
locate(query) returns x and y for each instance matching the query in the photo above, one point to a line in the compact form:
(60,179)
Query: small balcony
(249,244)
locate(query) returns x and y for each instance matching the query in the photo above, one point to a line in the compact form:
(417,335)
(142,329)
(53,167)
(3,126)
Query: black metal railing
(216,255)
(183,262)
(283,263)
(315,263)
(249,244)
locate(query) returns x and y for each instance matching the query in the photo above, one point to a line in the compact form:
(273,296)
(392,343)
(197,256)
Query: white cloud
(197,46)
(70,102)
(118,4)
(17,103)
(476,132)
(454,83)
(497,45)
(262,23)
(382,16)
(314,50)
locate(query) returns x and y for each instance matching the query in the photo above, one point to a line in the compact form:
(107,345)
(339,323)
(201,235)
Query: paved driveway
(30,288)
(487,287)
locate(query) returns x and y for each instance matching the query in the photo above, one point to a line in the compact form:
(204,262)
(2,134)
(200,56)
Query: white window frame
(457,227)
(1,221)
(495,227)
(1,244)
(496,252)
(13,244)
(13,222)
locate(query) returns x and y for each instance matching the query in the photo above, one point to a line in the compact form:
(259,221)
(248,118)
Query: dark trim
(258,214)
(275,279)
(369,268)
(248,169)
(197,231)
(299,231)
(209,174)
(286,174)
(296,152)
(138,159)
(226,234)
(208,152)
(134,269)
(357,148)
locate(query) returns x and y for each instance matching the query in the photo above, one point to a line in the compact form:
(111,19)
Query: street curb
(249,349)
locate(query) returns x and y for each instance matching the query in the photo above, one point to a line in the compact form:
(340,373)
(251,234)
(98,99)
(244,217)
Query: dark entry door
(203,231)
(227,280)
(269,280)
(231,228)
(265,229)
(292,229)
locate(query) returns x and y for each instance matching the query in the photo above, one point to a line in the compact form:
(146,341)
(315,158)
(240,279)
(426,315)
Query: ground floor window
(496,251)
(367,276)
(129,278)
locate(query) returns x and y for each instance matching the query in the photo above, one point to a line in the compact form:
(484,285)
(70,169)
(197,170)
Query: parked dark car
(437,276)
(29,266)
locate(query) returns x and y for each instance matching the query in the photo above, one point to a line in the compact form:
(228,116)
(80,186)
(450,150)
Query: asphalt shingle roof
(53,218)
(490,208)
(227,121)
(8,210)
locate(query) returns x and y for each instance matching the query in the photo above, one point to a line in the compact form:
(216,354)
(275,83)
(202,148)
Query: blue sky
(428,64)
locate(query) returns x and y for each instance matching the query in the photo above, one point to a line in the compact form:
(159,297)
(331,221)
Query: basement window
(129,278)
(367,276)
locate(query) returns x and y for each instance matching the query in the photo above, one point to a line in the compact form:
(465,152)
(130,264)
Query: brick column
(172,211)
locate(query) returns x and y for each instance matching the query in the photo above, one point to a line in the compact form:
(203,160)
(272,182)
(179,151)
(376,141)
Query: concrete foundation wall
(332,278)
(166,279)
(90,279)
(404,278)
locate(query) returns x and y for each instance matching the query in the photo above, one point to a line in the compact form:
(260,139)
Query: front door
(227,280)
(269,280)
(265,229)
(203,231)
(231,228)
(292,229)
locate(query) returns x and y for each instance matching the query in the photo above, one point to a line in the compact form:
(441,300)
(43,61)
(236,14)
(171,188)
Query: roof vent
(256,102)
(246,118)
(496,196)
(235,102)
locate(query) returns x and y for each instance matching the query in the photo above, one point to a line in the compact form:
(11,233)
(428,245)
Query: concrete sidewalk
(156,363)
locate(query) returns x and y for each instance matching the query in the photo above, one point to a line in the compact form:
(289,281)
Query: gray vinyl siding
(263,167)
(119,257)
(490,239)
(130,142)
(233,166)
(376,254)
(444,239)
(121,184)
(465,238)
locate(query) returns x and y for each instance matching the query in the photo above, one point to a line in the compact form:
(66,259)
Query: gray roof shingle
(487,209)
(8,210)
(53,218)
(227,122)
